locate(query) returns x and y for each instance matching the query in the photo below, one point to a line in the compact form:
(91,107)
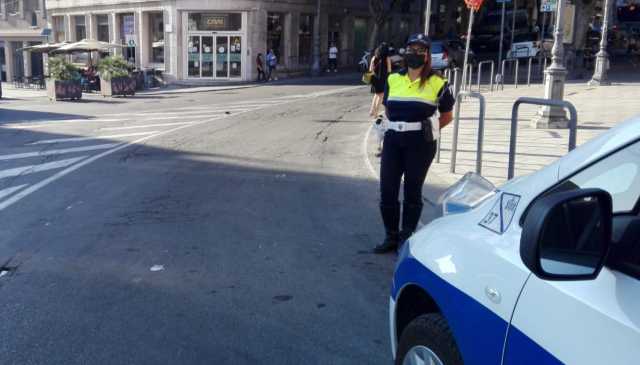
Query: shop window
(305,39)
(58,28)
(128,37)
(11,7)
(81,27)
(230,22)
(275,34)
(156,37)
(103,27)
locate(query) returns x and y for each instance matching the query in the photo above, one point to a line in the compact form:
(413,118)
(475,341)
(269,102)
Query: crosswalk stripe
(11,190)
(81,139)
(144,126)
(57,152)
(181,117)
(32,169)
(58,122)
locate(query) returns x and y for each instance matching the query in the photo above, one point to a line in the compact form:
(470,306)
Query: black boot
(391,219)
(410,218)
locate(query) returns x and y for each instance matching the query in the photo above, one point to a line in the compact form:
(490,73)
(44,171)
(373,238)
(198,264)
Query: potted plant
(114,77)
(63,82)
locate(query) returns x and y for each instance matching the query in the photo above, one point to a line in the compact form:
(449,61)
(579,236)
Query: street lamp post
(555,75)
(602,58)
(427,17)
(499,76)
(315,68)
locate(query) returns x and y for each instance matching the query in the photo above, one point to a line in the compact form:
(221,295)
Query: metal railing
(456,127)
(480,64)
(502,69)
(573,125)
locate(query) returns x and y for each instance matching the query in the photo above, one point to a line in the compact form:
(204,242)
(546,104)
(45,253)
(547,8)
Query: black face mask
(414,60)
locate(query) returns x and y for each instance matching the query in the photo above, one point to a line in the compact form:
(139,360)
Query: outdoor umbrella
(44,48)
(86,45)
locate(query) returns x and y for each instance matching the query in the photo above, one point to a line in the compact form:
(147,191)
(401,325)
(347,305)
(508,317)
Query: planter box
(119,86)
(64,90)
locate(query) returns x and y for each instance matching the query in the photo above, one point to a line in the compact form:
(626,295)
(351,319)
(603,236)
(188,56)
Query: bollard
(456,81)
(529,72)
(504,63)
(573,126)
(517,73)
(456,127)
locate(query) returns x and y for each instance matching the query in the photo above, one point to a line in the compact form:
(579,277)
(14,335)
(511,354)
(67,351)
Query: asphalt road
(225,227)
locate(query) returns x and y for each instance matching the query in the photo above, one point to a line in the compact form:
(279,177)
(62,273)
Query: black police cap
(419,38)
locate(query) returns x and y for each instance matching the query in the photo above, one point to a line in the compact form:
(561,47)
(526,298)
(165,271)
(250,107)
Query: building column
(21,11)
(8,57)
(92,26)
(288,41)
(347,41)
(26,57)
(324,39)
(114,27)
(70,33)
(142,49)
(256,40)
(3,9)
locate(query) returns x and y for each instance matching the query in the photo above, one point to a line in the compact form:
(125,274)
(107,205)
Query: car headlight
(469,192)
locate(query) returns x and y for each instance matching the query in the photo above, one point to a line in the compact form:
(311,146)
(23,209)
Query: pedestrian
(411,99)
(380,66)
(333,58)
(260,67)
(272,63)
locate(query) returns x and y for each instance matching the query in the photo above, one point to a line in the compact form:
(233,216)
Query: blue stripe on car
(479,333)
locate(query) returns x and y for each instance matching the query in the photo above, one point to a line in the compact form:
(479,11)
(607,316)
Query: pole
(315,68)
(555,75)
(513,22)
(466,51)
(602,58)
(504,11)
(427,18)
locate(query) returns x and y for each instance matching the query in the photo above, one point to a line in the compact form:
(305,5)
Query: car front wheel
(428,340)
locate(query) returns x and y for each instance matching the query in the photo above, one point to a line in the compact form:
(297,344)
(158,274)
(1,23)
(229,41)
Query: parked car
(543,270)
(448,53)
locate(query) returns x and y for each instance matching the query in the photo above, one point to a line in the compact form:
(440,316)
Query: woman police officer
(411,98)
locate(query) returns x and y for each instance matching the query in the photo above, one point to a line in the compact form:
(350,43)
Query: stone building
(195,41)
(22,23)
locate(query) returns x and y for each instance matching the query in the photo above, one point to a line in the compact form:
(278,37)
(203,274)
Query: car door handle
(493,294)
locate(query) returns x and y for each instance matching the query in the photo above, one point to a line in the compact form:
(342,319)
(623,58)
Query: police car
(543,270)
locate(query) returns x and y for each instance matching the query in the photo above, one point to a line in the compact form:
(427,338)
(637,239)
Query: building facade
(23,23)
(194,41)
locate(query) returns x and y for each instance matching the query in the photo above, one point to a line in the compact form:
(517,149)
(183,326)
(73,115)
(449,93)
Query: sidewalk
(9,92)
(599,108)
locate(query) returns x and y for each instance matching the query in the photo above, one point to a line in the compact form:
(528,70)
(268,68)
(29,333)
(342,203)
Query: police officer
(411,99)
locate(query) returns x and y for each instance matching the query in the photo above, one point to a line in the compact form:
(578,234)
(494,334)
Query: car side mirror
(567,235)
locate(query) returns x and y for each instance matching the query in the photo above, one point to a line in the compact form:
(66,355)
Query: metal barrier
(504,63)
(573,125)
(529,71)
(456,127)
(456,81)
(480,73)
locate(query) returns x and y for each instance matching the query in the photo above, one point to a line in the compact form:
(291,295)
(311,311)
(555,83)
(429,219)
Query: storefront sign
(213,22)
(547,6)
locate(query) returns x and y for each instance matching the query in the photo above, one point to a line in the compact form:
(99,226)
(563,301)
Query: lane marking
(43,183)
(57,152)
(144,126)
(81,139)
(57,123)
(11,190)
(365,153)
(182,117)
(32,169)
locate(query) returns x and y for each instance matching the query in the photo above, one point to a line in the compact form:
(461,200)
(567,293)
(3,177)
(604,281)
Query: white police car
(544,270)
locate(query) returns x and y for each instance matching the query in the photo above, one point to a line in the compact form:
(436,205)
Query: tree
(380,10)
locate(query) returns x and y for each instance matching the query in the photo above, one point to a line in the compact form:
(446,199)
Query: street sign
(548,6)
(474,4)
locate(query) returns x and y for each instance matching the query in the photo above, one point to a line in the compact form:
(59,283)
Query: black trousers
(261,75)
(410,155)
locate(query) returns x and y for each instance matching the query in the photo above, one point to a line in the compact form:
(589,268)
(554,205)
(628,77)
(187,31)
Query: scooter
(363,65)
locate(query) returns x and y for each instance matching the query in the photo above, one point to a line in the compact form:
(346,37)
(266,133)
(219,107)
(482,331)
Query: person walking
(333,58)
(380,66)
(260,66)
(272,63)
(411,99)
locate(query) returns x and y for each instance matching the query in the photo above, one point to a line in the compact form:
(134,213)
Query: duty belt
(404,126)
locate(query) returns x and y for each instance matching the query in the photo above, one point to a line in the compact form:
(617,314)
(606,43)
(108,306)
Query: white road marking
(57,152)
(81,139)
(144,126)
(11,190)
(32,169)
(181,117)
(33,188)
(365,153)
(57,123)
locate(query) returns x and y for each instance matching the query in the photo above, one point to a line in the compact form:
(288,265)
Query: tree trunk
(373,37)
